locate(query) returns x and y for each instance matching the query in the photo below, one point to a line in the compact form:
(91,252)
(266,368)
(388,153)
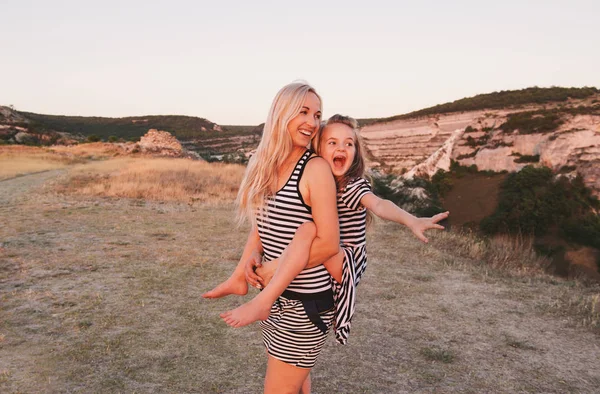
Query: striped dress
(288,333)
(353,225)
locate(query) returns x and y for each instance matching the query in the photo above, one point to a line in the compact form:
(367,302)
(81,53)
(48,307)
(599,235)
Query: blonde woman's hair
(260,180)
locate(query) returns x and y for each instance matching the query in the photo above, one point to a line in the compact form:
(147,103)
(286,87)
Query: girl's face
(302,127)
(338,148)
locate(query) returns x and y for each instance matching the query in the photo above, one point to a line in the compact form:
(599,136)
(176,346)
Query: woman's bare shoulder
(317,178)
(316,164)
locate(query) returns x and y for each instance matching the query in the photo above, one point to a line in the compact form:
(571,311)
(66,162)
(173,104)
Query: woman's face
(338,148)
(302,127)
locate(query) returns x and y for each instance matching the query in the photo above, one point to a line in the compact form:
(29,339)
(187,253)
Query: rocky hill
(183,127)
(563,135)
(196,134)
(554,127)
(16,128)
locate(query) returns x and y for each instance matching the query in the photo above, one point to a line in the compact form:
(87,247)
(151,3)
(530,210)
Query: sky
(226,60)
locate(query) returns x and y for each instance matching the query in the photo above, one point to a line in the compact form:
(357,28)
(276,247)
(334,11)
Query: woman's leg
(292,261)
(306,386)
(283,378)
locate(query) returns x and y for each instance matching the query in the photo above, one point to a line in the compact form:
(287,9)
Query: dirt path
(14,189)
(104,296)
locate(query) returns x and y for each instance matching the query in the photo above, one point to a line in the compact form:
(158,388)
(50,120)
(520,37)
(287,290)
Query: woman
(285,186)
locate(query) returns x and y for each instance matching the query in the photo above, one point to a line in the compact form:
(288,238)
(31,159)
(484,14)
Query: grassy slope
(184,127)
(103,295)
(497,100)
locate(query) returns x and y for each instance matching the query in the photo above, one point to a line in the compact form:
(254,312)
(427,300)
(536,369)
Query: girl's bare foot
(233,285)
(251,311)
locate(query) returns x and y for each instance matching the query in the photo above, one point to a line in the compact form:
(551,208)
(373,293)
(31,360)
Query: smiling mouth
(339,161)
(306,133)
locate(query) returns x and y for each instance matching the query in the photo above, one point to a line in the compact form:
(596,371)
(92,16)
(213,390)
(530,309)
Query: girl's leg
(236,283)
(292,261)
(334,266)
(283,378)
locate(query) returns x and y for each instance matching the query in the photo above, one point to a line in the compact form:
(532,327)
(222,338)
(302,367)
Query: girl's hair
(260,178)
(358,167)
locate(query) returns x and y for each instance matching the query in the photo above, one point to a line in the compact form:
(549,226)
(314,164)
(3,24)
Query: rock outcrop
(161,143)
(440,159)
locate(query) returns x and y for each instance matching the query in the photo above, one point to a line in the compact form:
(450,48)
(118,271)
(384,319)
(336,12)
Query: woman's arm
(251,255)
(387,210)
(318,190)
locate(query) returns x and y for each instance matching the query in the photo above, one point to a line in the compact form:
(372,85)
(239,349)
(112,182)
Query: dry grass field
(101,294)
(21,160)
(156,179)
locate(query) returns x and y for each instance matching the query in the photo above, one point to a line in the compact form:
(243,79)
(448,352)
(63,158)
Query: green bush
(566,169)
(542,121)
(235,158)
(404,198)
(442,182)
(527,159)
(584,230)
(468,155)
(499,143)
(113,138)
(532,201)
(93,138)
(460,171)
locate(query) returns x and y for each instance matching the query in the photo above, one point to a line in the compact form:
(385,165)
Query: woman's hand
(266,271)
(420,225)
(253,262)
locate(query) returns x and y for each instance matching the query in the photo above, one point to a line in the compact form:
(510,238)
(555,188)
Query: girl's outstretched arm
(387,210)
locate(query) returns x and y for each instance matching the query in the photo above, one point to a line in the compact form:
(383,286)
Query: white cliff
(423,145)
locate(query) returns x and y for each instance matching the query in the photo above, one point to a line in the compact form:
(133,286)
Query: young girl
(340,145)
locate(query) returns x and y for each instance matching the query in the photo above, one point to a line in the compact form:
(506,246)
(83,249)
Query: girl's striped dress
(289,334)
(353,226)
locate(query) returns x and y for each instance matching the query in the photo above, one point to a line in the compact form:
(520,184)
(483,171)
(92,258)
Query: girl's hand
(420,225)
(249,270)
